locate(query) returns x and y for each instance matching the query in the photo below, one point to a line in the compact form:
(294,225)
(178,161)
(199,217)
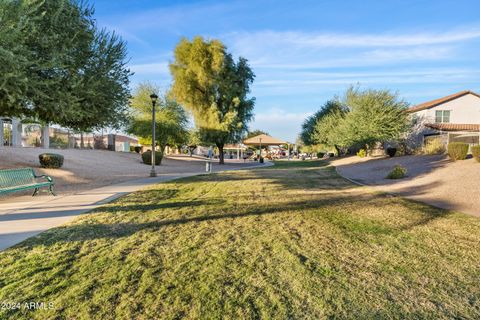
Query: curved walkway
(431,179)
(22,219)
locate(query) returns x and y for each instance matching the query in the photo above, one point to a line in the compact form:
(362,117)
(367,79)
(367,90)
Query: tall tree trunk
(82,144)
(220,154)
(338,149)
(161,152)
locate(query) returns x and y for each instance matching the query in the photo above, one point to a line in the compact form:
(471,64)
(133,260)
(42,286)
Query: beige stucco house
(454,118)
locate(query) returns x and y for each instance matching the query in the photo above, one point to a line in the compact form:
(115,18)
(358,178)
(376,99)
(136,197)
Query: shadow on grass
(300,175)
(374,171)
(326,210)
(325,206)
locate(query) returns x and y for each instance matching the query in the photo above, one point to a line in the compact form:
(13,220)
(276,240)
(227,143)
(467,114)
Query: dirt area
(88,169)
(431,179)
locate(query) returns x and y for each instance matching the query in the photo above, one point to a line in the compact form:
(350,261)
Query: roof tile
(436,102)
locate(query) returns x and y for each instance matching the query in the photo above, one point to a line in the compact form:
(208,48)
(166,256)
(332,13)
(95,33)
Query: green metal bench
(12,180)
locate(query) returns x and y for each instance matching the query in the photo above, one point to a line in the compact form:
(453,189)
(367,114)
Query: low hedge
(51,160)
(476,152)
(457,150)
(147,157)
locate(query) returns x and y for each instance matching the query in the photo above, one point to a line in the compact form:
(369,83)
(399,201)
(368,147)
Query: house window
(442,116)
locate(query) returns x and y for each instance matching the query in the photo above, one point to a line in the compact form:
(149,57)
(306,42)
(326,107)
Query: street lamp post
(154,98)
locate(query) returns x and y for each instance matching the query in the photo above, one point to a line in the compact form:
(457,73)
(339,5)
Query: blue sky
(305,52)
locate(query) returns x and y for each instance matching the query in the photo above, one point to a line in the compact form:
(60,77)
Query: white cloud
(315,40)
(160,68)
(296,50)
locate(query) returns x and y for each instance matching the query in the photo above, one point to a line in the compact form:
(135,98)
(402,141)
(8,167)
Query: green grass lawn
(290,241)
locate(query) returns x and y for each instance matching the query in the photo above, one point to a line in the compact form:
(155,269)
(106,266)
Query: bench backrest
(16,177)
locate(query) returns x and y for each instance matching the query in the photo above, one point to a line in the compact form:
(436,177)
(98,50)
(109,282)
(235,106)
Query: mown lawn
(290,241)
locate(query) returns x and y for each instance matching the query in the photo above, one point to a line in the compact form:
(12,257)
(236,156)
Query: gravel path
(88,169)
(431,179)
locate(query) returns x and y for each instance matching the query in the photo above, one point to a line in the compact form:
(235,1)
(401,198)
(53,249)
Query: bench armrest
(46,177)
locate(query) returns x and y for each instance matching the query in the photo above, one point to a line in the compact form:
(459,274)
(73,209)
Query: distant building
(454,118)
(15,133)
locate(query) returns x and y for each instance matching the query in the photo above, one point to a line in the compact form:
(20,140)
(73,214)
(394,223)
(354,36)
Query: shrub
(398,172)
(434,146)
(51,160)
(362,153)
(147,157)
(476,152)
(58,142)
(391,152)
(98,143)
(457,150)
(320,155)
(138,149)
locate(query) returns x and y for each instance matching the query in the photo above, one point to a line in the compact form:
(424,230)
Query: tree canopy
(58,67)
(214,88)
(308,133)
(255,133)
(171,119)
(370,116)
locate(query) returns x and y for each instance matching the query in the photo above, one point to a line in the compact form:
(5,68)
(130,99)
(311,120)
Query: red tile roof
(453,126)
(436,102)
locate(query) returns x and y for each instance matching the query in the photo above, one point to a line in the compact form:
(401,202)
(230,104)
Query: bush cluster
(457,150)
(362,153)
(51,160)
(147,157)
(476,152)
(398,172)
(320,155)
(434,146)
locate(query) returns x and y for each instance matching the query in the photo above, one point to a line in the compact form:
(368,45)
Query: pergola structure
(263,140)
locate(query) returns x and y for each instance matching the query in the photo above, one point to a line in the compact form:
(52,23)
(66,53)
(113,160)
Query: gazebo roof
(263,139)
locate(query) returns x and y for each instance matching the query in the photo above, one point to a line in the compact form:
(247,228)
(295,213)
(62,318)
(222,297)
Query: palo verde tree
(308,133)
(171,119)
(373,116)
(58,67)
(214,87)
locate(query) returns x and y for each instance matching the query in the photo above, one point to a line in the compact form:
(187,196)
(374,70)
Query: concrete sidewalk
(20,220)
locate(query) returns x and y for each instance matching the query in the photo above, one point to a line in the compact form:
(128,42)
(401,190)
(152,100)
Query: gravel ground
(88,169)
(431,179)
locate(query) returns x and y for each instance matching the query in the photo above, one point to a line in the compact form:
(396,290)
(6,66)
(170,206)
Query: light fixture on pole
(154,98)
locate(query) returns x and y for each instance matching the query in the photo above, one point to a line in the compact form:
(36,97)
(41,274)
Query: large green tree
(171,119)
(308,133)
(214,87)
(373,116)
(58,67)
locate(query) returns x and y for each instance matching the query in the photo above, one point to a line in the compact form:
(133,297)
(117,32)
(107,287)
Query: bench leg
(35,192)
(51,190)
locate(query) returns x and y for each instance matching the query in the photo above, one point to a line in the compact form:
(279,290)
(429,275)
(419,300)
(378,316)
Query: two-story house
(454,118)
